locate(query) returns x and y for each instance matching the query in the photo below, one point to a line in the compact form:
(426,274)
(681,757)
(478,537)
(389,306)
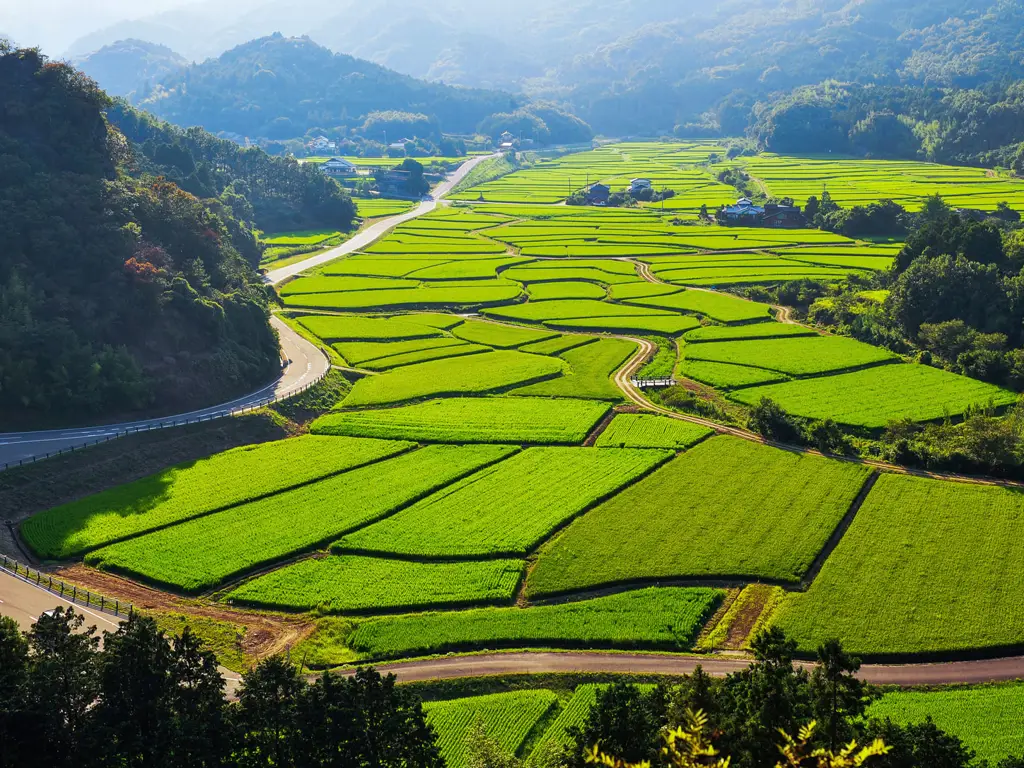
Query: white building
(339,167)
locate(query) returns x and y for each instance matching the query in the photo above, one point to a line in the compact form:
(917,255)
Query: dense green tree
(266,721)
(838,697)
(13,684)
(768,419)
(625,721)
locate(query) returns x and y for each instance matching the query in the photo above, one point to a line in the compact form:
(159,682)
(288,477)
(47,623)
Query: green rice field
(727,508)
(637,430)
(591,369)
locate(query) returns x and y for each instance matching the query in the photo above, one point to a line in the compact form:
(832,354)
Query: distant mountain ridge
(130,67)
(279,87)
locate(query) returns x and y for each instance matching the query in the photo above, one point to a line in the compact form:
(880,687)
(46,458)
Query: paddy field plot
(501,336)
(474,374)
(728,376)
(717,306)
(725,508)
(986,718)
(359,352)
(333,328)
(441,295)
(557,345)
(340,283)
(555,421)
(768,330)
(203,552)
(368,209)
(195,488)
(381,267)
(346,584)
(667,618)
(565,290)
(507,718)
(541,274)
(573,715)
(465,269)
(590,374)
(571,309)
(641,430)
(301,237)
(875,396)
(424,355)
(626,291)
(796,356)
(928,566)
(507,509)
(642,324)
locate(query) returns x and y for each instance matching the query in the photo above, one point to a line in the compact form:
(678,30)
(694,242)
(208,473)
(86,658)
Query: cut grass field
(507,718)
(865,398)
(204,552)
(637,430)
(475,374)
(507,509)
(345,584)
(725,508)
(188,490)
(591,372)
(665,618)
(473,420)
(797,356)
(986,718)
(927,566)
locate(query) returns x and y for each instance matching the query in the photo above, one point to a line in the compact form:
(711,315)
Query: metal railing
(165,424)
(651,383)
(68,592)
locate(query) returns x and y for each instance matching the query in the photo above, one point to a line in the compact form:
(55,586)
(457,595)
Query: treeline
(273,193)
(115,292)
(979,126)
(144,699)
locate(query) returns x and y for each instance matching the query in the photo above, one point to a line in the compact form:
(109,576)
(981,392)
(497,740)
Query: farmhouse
(637,186)
(598,194)
(743,213)
(391,181)
(321,144)
(339,168)
(773,216)
(783,217)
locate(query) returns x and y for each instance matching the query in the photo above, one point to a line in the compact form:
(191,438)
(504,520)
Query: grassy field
(507,718)
(346,584)
(507,509)
(203,552)
(473,420)
(987,718)
(926,566)
(189,490)
(668,326)
(592,368)
(635,430)
(359,352)
(797,356)
(667,618)
(372,209)
(741,332)
(726,508)
(865,398)
(301,237)
(567,289)
(475,374)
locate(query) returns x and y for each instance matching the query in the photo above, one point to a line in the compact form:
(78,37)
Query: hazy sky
(54,24)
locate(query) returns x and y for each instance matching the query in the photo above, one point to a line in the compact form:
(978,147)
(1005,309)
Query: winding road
(302,362)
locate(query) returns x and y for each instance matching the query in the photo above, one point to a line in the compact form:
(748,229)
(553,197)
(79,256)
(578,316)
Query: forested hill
(279,87)
(129,67)
(274,193)
(116,293)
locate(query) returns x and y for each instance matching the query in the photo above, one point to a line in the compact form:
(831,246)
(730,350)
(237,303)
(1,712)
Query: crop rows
(726,508)
(203,552)
(636,430)
(592,368)
(331,328)
(506,509)
(346,584)
(793,355)
(188,490)
(473,420)
(502,336)
(441,295)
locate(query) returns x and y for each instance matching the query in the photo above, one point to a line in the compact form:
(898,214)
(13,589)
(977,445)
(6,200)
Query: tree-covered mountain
(130,67)
(279,87)
(117,292)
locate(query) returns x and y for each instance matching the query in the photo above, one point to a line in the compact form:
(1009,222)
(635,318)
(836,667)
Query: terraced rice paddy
(798,356)
(501,336)
(565,290)
(203,552)
(865,398)
(189,490)
(507,718)
(926,566)
(346,584)
(443,295)
(473,420)
(639,430)
(371,209)
(717,306)
(726,508)
(728,376)
(332,328)
(986,718)
(475,374)
(590,377)
(667,618)
(507,509)
(302,237)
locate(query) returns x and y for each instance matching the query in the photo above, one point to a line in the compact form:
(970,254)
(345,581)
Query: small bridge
(652,383)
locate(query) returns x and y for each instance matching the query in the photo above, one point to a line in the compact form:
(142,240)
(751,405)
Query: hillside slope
(279,87)
(117,294)
(129,67)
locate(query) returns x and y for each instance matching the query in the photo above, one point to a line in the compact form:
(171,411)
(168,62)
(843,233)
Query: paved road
(538,662)
(24,603)
(304,364)
(374,232)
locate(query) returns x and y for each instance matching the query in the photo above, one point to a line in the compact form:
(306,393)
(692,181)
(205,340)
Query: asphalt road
(304,364)
(518,663)
(25,603)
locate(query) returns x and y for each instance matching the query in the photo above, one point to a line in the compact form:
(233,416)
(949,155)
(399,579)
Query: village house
(339,168)
(637,186)
(773,216)
(506,141)
(782,217)
(598,194)
(321,144)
